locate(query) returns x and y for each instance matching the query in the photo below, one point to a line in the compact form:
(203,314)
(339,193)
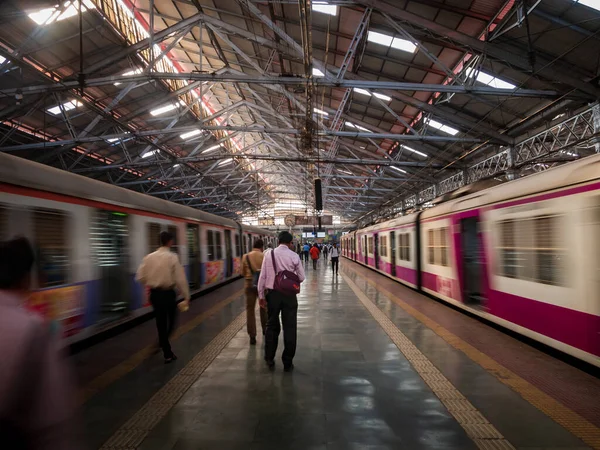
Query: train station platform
(378,366)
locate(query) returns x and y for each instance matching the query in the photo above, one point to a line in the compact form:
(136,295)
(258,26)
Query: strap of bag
(274,263)
(249,265)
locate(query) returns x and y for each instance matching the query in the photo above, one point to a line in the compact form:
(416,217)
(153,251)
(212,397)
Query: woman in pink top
(36,401)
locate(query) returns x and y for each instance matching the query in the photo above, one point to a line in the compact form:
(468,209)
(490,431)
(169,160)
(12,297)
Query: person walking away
(282,261)
(325,251)
(314,254)
(37,397)
(335,258)
(162,272)
(251,265)
(306,250)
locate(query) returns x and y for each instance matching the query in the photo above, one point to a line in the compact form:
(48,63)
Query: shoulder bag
(286,282)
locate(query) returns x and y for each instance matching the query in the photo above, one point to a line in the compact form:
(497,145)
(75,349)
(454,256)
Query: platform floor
(378,367)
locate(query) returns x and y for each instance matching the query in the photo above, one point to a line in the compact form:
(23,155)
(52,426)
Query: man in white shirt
(162,273)
(277,302)
(335,258)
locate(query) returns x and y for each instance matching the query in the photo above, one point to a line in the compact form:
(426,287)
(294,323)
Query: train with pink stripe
(524,255)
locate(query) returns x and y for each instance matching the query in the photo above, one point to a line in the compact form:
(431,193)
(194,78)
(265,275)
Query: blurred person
(314,254)
(325,251)
(37,399)
(335,258)
(162,273)
(251,264)
(277,302)
(306,250)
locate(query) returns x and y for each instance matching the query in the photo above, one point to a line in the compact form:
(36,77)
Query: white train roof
(21,172)
(578,172)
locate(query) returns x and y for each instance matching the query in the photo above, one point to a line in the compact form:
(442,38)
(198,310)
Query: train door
(193,241)
(376,250)
(354,254)
(366,250)
(472,255)
(109,234)
(228,254)
(392,248)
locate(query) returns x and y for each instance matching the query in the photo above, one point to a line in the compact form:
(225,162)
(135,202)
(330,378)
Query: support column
(596,121)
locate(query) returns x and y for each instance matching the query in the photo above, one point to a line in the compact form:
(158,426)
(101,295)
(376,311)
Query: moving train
(90,237)
(524,255)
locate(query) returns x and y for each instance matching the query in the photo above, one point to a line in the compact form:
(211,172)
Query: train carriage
(90,237)
(525,255)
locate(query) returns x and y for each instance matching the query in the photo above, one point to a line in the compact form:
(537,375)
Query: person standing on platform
(37,396)
(162,272)
(314,254)
(251,265)
(335,258)
(325,251)
(306,250)
(281,259)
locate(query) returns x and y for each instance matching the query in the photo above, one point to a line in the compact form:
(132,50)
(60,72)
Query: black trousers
(164,303)
(288,307)
(305,253)
(315,264)
(335,263)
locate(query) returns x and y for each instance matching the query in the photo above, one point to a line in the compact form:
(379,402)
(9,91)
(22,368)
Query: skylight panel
(163,109)
(130,73)
(406,147)
(317,73)
(150,153)
(398,169)
(212,149)
(56,110)
(190,134)
(594,4)
(390,41)
(320,111)
(491,80)
(225,161)
(325,8)
(440,126)
(361,91)
(47,16)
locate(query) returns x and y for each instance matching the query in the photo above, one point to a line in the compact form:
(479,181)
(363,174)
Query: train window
(383,246)
(238,248)
(153,236)
(404,246)
(549,252)
(219,245)
(530,249)
(443,243)
(210,244)
(431,247)
(50,229)
(370,244)
(173,232)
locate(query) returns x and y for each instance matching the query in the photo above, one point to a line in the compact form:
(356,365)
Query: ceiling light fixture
(150,153)
(163,109)
(406,147)
(320,111)
(212,149)
(225,161)
(398,169)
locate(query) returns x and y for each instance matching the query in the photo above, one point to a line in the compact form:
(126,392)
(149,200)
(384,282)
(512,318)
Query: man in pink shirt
(37,403)
(277,302)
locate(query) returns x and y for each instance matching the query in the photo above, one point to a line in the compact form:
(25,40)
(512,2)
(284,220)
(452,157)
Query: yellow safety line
(561,414)
(113,374)
(477,427)
(130,435)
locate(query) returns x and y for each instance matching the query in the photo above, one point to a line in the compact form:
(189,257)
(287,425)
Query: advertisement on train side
(63,307)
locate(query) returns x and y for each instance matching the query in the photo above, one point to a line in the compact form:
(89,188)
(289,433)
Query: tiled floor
(352,387)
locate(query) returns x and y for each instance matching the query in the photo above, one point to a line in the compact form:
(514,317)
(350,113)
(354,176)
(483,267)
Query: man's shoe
(271,365)
(252,340)
(171,359)
(288,368)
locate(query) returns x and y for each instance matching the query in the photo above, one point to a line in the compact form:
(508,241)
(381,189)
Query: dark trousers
(305,252)
(288,307)
(164,303)
(315,263)
(335,263)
